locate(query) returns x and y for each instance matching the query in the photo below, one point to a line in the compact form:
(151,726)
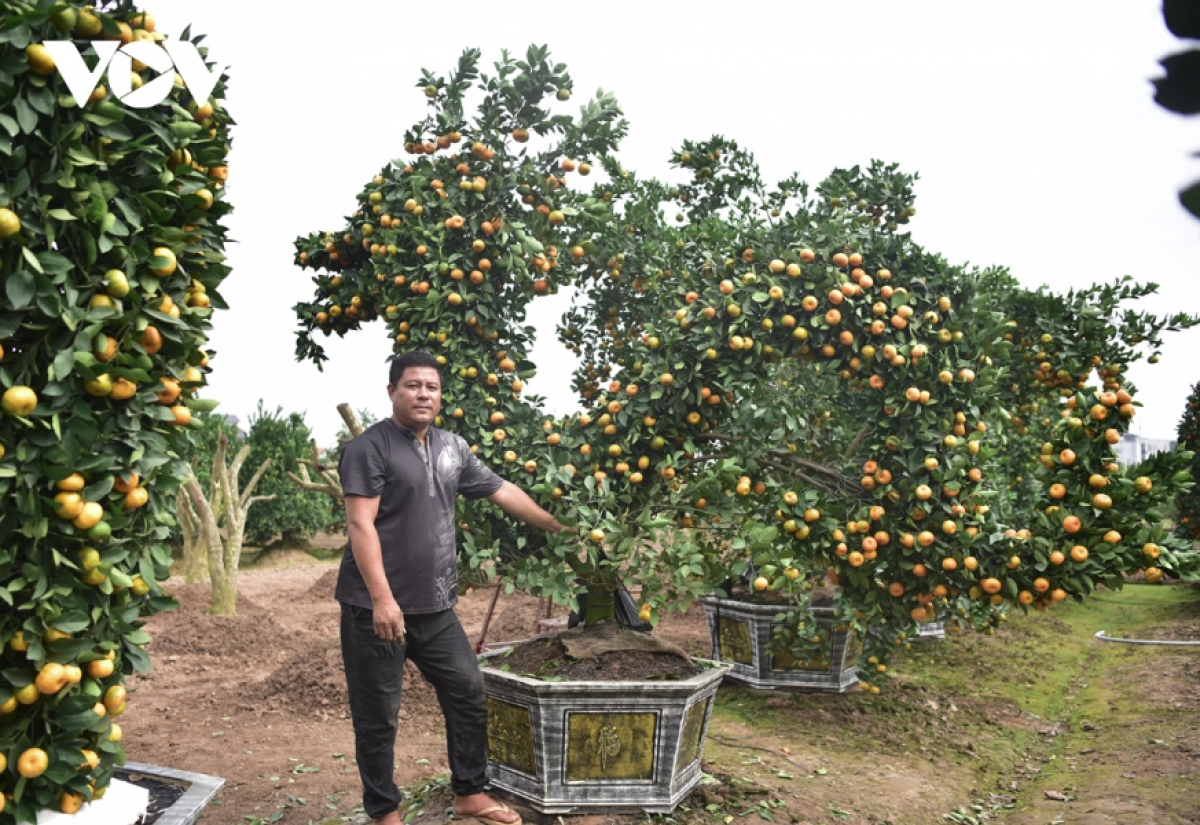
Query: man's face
(417,398)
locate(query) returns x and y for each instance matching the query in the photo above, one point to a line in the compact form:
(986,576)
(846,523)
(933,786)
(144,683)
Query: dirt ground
(260,700)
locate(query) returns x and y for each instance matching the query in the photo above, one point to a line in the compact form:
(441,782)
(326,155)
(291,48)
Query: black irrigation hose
(1100,635)
(735,743)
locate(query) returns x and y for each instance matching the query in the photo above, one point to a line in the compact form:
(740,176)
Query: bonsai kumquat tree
(693,457)
(111,252)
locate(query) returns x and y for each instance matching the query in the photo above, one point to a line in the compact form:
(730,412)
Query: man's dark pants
(438,646)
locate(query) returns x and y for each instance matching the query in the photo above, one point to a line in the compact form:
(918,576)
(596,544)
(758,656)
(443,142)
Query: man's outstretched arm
(513,500)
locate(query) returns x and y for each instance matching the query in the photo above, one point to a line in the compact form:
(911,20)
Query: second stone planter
(931,632)
(741,637)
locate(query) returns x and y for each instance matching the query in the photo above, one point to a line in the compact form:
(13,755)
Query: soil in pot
(600,653)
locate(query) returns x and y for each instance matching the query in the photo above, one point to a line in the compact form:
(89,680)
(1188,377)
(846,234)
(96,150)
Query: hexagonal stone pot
(741,637)
(598,747)
(175,797)
(930,632)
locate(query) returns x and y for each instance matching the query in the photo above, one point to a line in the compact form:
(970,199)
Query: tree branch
(262,468)
(305,484)
(188,520)
(236,467)
(351,420)
(811,465)
(214,477)
(208,521)
(807,479)
(858,440)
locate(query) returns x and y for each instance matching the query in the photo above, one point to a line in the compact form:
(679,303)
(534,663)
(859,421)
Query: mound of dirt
(324,587)
(191,630)
(222,636)
(313,681)
(196,598)
(308,679)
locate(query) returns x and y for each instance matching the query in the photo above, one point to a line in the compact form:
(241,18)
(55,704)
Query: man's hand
(389,621)
(562,528)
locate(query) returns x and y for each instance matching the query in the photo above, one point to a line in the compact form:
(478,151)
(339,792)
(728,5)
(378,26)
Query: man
(398,586)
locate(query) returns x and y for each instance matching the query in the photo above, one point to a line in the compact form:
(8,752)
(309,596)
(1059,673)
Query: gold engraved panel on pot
(734,637)
(510,736)
(689,739)
(786,660)
(610,745)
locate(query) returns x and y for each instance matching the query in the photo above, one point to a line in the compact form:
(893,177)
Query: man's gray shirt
(416,485)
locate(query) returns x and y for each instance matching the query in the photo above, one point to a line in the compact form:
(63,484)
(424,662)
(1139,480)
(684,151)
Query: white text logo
(178,55)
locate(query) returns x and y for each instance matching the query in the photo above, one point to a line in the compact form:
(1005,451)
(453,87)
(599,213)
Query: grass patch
(979,728)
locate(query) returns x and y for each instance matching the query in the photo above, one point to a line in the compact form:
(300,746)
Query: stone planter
(129,801)
(198,790)
(598,747)
(741,637)
(930,632)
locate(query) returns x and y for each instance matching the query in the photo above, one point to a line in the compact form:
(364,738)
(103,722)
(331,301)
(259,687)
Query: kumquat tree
(773,376)
(110,255)
(1187,504)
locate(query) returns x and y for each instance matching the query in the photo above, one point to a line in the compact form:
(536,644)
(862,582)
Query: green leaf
(76,722)
(64,362)
(202,404)
(52,263)
(32,260)
(97,491)
(26,116)
(137,637)
(72,622)
(185,129)
(20,288)
(121,579)
(116,131)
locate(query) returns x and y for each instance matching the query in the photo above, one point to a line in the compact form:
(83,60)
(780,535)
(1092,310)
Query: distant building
(1134,449)
(233,421)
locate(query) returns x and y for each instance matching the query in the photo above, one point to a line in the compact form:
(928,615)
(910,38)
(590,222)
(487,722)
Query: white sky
(1031,124)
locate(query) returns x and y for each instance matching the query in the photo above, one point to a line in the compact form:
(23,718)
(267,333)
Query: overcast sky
(1031,124)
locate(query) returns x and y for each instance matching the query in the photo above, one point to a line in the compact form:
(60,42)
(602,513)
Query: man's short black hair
(411,359)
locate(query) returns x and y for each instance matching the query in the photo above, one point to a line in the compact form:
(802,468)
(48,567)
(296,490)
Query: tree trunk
(195,557)
(226,507)
(224,589)
(601,605)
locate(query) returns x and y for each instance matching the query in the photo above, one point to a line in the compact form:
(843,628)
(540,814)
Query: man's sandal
(483,817)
